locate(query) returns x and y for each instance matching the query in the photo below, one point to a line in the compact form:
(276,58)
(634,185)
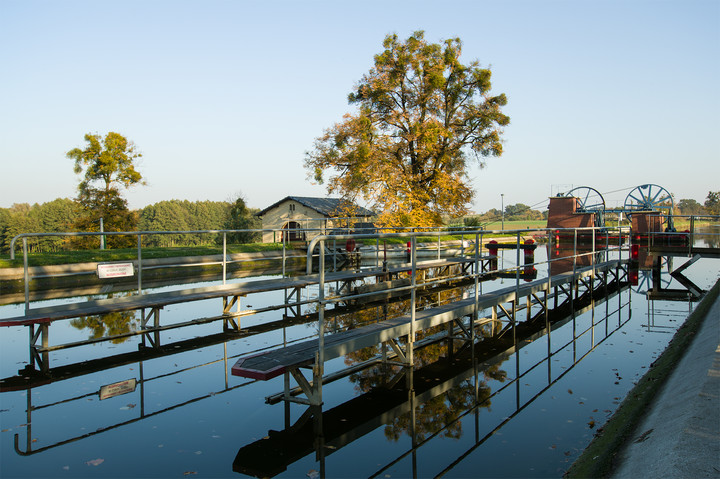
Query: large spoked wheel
(651,198)
(589,201)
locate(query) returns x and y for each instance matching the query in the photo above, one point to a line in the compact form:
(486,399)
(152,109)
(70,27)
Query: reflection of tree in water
(440,411)
(108,325)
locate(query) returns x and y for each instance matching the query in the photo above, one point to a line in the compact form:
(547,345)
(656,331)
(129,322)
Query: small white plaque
(115,270)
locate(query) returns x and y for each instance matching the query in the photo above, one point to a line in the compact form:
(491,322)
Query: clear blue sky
(224,97)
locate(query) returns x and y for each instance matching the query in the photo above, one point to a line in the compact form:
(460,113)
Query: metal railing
(438,242)
(590,233)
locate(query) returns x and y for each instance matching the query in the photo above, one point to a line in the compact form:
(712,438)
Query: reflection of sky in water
(196,418)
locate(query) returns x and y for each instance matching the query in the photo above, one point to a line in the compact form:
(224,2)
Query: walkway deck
(273,363)
(160,300)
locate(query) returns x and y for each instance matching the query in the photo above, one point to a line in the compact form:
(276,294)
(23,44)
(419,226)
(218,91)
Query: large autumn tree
(422,118)
(107,165)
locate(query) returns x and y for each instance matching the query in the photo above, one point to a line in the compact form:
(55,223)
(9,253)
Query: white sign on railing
(115,270)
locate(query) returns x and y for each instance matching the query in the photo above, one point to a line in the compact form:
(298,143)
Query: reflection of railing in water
(326,432)
(29,379)
(141,383)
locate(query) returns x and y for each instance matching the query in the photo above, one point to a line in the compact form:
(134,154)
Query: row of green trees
(692,207)
(522,212)
(66,215)
(516,212)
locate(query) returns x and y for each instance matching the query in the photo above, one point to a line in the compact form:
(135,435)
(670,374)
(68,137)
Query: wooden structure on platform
(563,213)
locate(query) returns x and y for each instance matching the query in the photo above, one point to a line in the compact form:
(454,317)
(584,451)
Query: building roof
(330,207)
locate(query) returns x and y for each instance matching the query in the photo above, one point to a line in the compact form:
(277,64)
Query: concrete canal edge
(669,423)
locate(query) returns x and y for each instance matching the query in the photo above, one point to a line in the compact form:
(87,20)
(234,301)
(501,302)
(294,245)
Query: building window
(292,207)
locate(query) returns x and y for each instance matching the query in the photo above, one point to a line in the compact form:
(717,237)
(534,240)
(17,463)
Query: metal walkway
(315,352)
(150,304)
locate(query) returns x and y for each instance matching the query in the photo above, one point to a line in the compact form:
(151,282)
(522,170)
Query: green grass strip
(598,458)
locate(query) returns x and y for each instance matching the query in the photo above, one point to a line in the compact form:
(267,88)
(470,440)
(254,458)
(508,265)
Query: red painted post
(529,253)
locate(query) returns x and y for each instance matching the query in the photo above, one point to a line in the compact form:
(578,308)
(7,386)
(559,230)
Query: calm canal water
(524,414)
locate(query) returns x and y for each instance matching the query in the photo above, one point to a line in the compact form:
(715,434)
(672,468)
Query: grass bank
(598,458)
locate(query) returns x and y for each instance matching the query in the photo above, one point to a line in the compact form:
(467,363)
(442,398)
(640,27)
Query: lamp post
(502,209)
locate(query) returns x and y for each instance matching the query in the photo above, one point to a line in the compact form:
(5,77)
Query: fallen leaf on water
(591,423)
(187,473)
(570,391)
(312,474)
(95,462)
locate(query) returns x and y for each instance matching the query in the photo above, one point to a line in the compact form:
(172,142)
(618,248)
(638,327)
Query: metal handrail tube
(412,235)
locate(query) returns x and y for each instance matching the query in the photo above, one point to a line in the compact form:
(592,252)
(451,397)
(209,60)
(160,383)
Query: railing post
(139,259)
(26,274)
(517,265)
(377,252)
(574,279)
(224,262)
(410,353)
(474,317)
(692,230)
(592,258)
(320,363)
(283,257)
